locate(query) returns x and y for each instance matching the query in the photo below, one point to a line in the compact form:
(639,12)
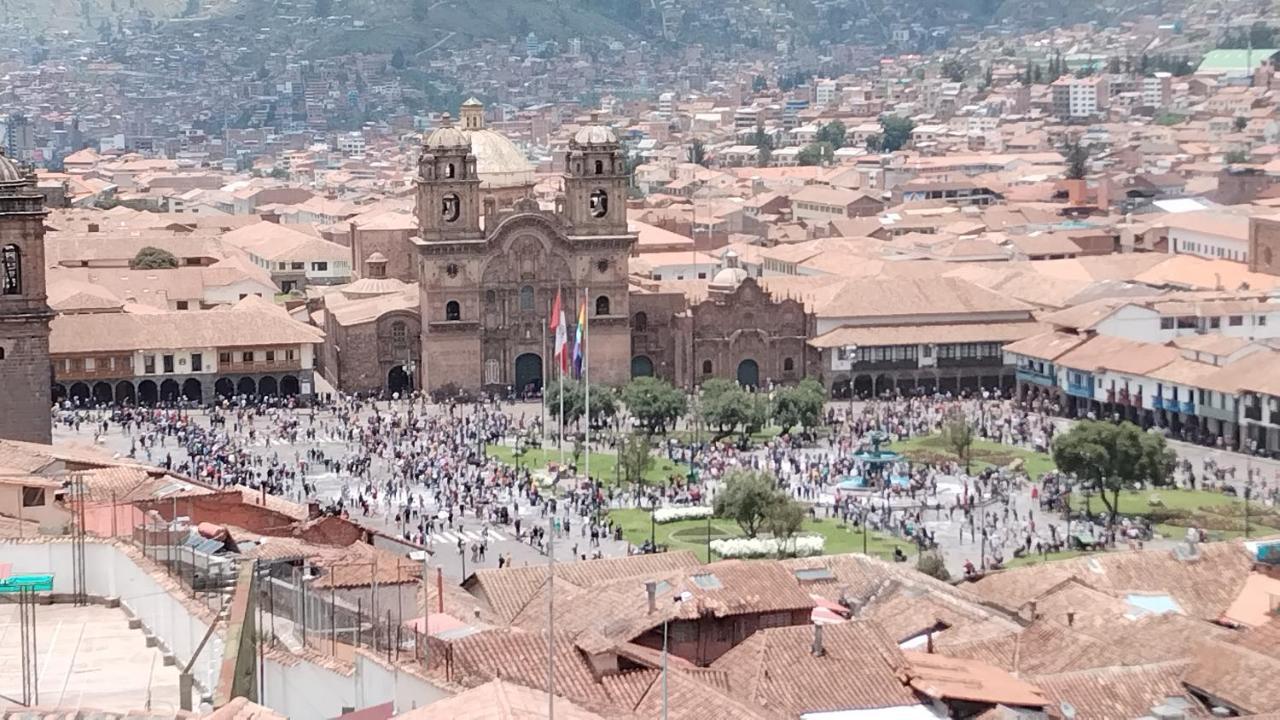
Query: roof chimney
(818,649)
(651,589)
(1071,619)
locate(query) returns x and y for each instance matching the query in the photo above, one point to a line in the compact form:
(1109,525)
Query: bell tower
(595,183)
(25,370)
(448,187)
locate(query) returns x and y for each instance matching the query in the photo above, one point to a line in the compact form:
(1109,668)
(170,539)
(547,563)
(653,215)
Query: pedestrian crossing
(468,536)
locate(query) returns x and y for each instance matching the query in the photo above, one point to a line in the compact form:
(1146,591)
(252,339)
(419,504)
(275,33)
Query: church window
(452,311)
(599,167)
(492,372)
(11,270)
(706,367)
(1,353)
(602,305)
(640,321)
(599,203)
(490,297)
(1266,256)
(399,333)
(451,270)
(449,171)
(526,298)
(451,208)
(788,365)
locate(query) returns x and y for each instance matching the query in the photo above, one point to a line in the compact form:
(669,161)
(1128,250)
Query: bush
(933,565)
(153,258)
(800,546)
(662,516)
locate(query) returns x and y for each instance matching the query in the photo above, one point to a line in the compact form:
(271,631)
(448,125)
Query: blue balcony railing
(1187,407)
(1157,403)
(1038,378)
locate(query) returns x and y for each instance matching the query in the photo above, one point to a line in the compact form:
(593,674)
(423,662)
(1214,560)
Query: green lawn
(603,465)
(692,534)
(933,449)
(1172,511)
(1036,559)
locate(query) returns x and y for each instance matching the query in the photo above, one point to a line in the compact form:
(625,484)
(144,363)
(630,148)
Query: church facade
(486,288)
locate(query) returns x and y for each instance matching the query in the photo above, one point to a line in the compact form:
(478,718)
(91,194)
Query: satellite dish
(1068,710)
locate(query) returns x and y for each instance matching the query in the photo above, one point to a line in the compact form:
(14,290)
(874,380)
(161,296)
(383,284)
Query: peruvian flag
(561,331)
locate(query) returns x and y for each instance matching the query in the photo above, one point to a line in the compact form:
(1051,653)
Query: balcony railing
(970,362)
(910,364)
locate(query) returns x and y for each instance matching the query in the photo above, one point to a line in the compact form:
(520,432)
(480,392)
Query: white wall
(1191,242)
(307,690)
(110,572)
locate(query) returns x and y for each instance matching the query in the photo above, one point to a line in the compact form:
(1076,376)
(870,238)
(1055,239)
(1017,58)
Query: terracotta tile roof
(777,670)
(1235,675)
(910,296)
(950,679)
(12,527)
(1203,587)
(520,657)
(1046,346)
(498,700)
(36,457)
(1255,606)
(121,332)
(1117,693)
(689,699)
(508,590)
(1104,352)
(242,709)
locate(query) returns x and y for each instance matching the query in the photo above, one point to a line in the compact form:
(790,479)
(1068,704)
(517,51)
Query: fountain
(876,460)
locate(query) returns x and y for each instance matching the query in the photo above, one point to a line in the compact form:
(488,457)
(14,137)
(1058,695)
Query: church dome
(447,137)
(728,279)
(10,171)
(595,135)
(499,163)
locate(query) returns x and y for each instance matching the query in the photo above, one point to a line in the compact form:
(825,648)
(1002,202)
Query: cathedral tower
(25,371)
(448,187)
(595,183)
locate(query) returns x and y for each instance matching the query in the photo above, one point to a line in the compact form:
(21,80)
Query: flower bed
(799,546)
(665,515)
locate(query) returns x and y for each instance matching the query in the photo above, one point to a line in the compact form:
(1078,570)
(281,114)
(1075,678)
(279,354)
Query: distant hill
(82,16)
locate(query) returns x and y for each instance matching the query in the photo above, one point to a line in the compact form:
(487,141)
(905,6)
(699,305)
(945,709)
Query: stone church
(487,286)
(25,372)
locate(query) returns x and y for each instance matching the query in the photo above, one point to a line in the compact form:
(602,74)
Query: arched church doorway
(398,381)
(749,373)
(529,374)
(641,366)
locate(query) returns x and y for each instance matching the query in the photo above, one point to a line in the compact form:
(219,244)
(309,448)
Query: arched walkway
(147,392)
(246,386)
(80,391)
(59,392)
(169,391)
(749,373)
(289,386)
(398,381)
(529,373)
(267,387)
(840,389)
(883,384)
(641,366)
(125,393)
(102,393)
(224,387)
(862,386)
(192,390)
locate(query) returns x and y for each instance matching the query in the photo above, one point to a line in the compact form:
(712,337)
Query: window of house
(320,267)
(1235,320)
(10,270)
(246,356)
(1215,323)
(148,364)
(168,363)
(1166,323)
(288,355)
(298,266)
(182,304)
(224,358)
(197,362)
(90,364)
(271,356)
(452,311)
(1262,320)
(32,497)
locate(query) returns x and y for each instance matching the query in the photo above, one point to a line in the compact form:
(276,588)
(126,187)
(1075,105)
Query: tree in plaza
(153,258)
(604,405)
(746,498)
(933,565)
(573,401)
(783,518)
(957,433)
(896,132)
(1108,458)
(635,458)
(798,405)
(654,403)
(726,406)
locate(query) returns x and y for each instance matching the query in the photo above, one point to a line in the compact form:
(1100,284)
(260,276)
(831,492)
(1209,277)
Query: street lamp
(849,352)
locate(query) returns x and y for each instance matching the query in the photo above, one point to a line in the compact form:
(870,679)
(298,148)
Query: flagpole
(560,366)
(542,391)
(586,374)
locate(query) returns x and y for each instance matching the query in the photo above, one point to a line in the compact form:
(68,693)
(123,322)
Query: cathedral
(486,288)
(25,371)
